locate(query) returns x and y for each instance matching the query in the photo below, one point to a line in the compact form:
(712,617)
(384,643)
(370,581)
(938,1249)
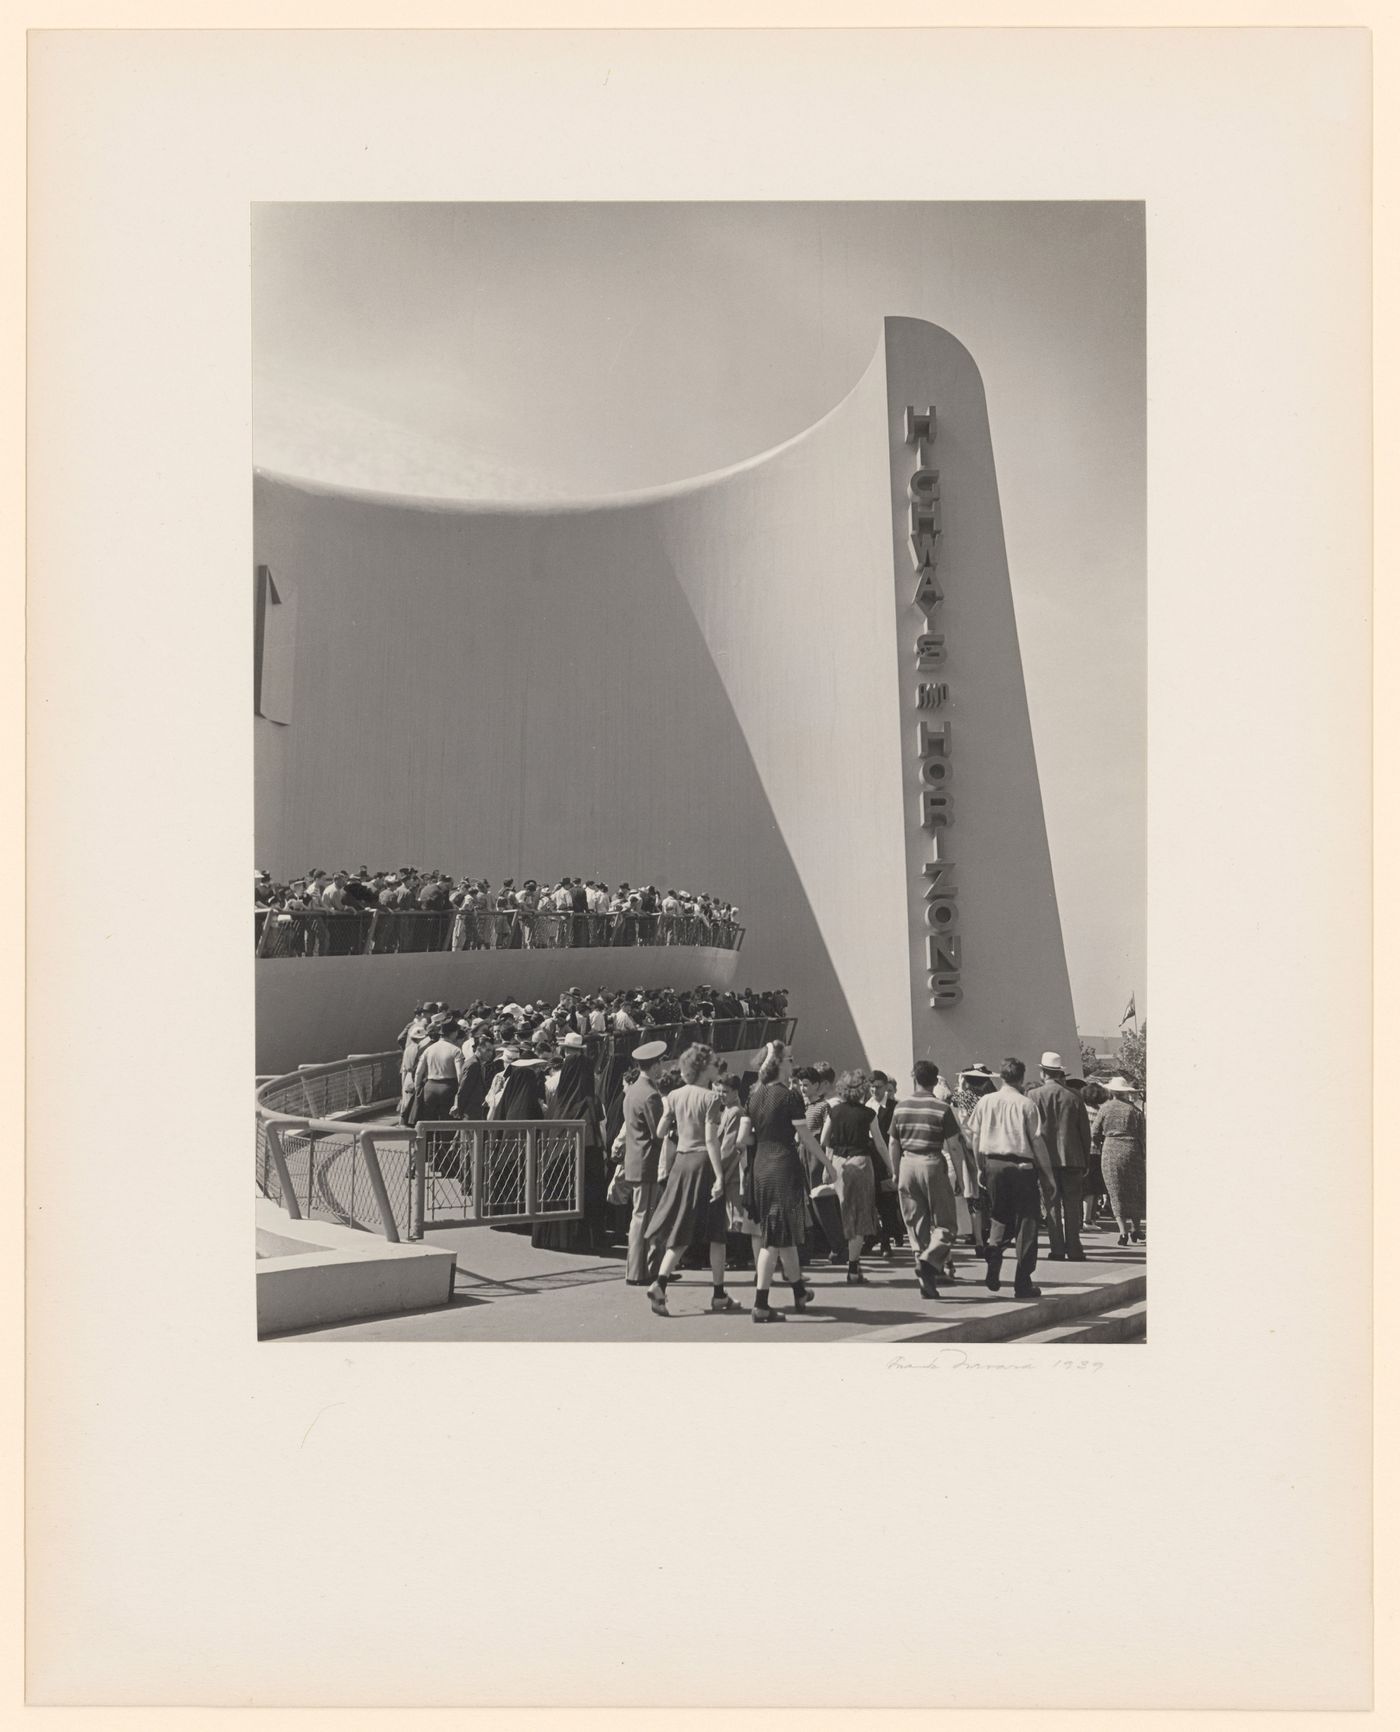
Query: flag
(1130,1014)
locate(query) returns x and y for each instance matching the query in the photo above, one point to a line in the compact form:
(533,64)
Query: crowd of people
(501,1034)
(474,914)
(779,1168)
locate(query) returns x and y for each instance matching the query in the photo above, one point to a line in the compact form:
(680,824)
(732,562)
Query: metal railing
(317,1162)
(499,1172)
(306,932)
(724,1034)
(395,1180)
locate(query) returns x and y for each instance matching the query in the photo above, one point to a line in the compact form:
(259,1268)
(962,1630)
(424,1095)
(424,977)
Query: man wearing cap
(1009,1146)
(642,1112)
(438,1073)
(1066,1125)
(414,1038)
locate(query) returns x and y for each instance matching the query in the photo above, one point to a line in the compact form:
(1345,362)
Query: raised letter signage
(943,945)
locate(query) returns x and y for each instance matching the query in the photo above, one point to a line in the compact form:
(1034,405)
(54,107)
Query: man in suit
(641,1114)
(1065,1122)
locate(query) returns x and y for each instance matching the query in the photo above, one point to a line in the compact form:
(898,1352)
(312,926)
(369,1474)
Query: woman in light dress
(1120,1134)
(852,1140)
(693,1196)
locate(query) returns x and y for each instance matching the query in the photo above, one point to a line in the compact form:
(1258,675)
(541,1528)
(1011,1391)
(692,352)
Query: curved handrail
(310,1113)
(315,932)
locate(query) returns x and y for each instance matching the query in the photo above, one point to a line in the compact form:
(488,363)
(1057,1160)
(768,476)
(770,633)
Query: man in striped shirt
(920,1131)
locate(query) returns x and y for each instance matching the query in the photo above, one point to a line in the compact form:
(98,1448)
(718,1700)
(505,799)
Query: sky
(510,352)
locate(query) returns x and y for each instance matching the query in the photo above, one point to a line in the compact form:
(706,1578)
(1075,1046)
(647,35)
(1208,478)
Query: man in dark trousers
(1065,1120)
(641,1114)
(578,901)
(882,1103)
(1008,1145)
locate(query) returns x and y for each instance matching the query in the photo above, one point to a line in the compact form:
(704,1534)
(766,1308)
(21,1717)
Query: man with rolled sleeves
(1008,1143)
(642,1112)
(1065,1122)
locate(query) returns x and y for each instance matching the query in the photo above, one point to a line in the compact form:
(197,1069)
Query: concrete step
(1122,1323)
(1001,1317)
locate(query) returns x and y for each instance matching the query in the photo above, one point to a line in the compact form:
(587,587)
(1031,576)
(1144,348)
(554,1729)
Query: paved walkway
(508,1291)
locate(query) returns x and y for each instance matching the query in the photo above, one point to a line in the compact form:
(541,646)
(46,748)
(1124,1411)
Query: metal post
(420,1182)
(310,1169)
(478,1163)
(359,1058)
(376,1185)
(531,1176)
(578,1170)
(284,1177)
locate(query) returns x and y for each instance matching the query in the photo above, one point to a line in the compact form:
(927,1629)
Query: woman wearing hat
(575,1096)
(1120,1134)
(694,1192)
(517,1092)
(522,1086)
(1093,1097)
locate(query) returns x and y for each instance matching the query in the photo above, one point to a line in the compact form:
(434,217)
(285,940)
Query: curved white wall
(698,686)
(689,687)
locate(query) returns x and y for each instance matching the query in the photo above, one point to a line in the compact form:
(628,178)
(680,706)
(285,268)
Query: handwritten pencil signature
(954,1359)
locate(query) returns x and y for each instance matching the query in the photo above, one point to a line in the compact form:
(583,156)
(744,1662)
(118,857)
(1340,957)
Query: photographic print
(700,772)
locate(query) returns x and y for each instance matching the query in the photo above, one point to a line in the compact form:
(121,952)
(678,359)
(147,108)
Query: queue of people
(780,1168)
(705,1155)
(603,1019)
(557,1060)
(474,914)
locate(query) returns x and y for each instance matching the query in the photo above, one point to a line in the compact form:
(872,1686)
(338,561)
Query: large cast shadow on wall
(501,693)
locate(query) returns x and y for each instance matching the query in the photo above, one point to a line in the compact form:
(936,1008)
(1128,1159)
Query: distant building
(1105,1045)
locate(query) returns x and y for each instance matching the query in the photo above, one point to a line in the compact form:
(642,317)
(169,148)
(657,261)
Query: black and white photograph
(798,589)
(700,772)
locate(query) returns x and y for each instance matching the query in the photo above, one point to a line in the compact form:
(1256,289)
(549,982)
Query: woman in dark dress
(521,1097)
(471,1091)
(1093,1096)
(522,1094)
(576,1097)
(775,1193)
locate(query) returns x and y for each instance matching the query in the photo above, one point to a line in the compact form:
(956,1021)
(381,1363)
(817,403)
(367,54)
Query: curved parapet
(709,679)
(314,1011)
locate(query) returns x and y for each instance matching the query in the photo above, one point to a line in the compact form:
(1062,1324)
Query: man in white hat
(642,1112)
(1065,1126)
